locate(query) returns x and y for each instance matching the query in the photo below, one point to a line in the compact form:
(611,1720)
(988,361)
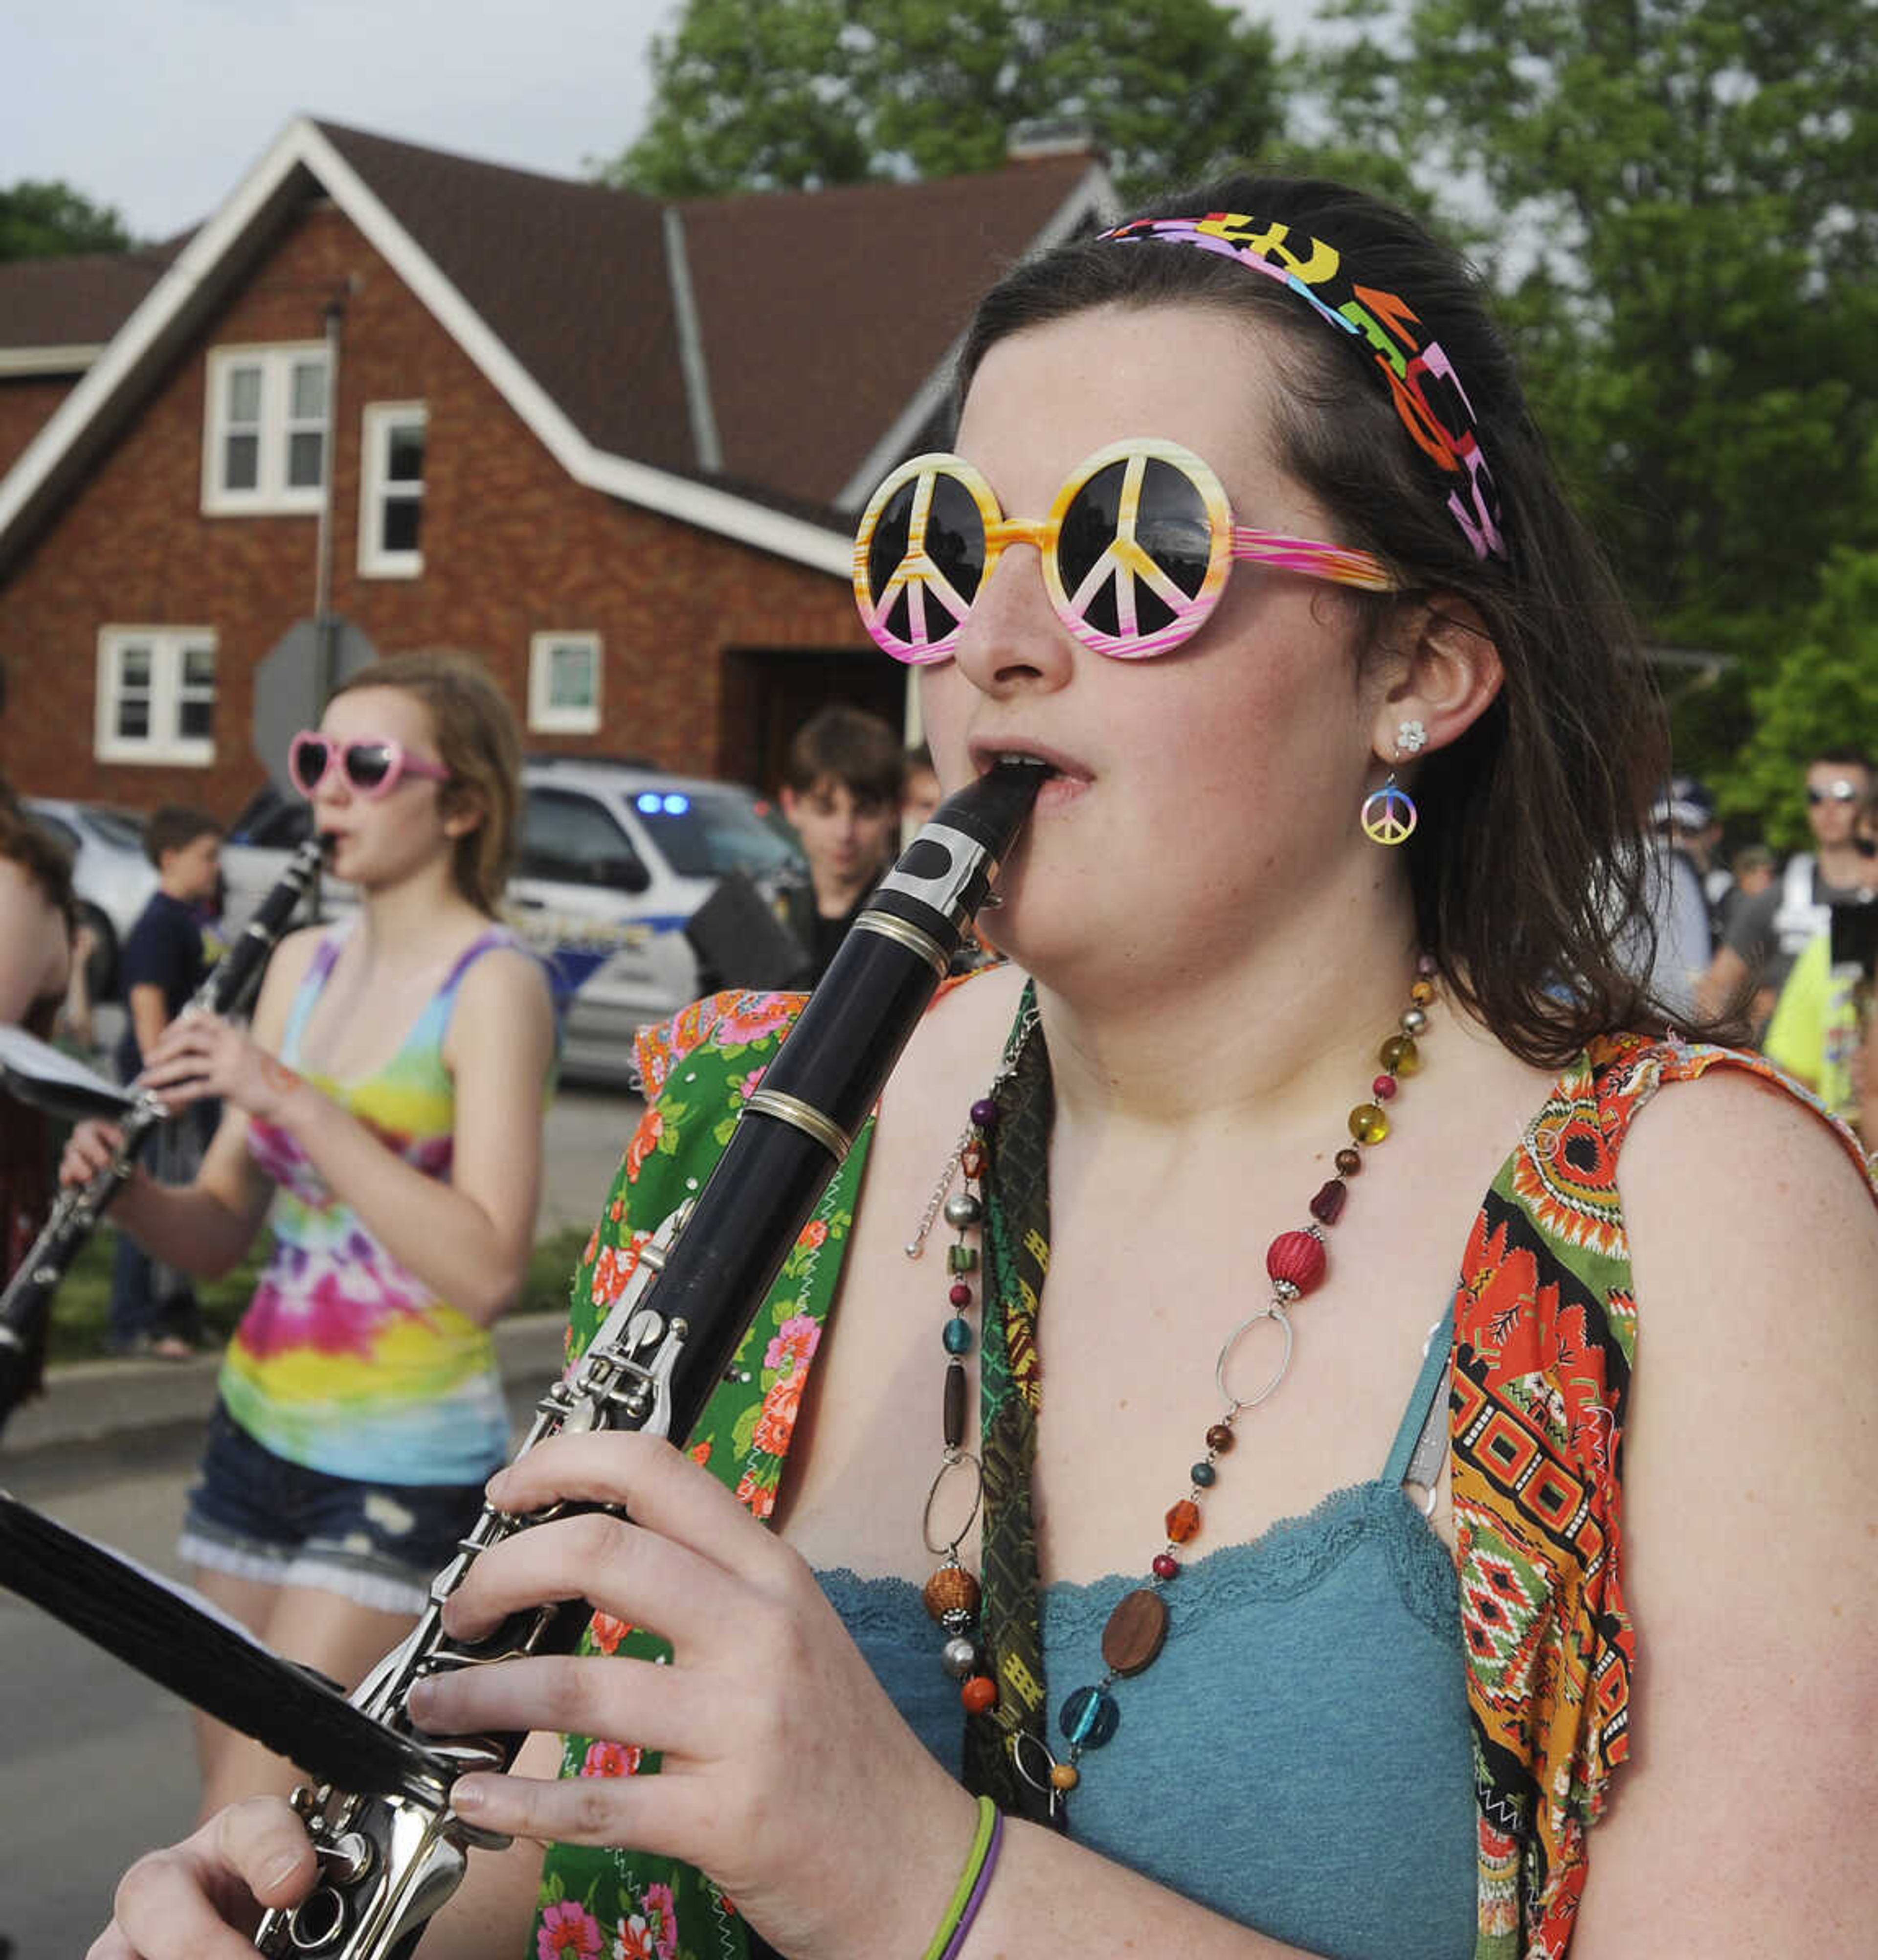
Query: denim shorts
(253,1515)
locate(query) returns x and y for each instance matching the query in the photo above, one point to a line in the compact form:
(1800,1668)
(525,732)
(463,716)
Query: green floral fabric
(605,1904)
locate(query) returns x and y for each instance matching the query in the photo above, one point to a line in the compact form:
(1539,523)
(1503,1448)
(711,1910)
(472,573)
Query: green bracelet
(964,1893)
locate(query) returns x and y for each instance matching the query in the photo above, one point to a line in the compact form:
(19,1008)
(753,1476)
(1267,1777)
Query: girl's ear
(1441,678)
(463,810)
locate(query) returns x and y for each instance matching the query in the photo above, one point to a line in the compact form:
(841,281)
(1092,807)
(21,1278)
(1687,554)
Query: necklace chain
(1296,1263)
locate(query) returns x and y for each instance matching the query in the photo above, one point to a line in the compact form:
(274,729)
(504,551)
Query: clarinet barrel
(389,1860)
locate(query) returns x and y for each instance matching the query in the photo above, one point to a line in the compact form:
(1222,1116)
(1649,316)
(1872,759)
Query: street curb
(85,1401)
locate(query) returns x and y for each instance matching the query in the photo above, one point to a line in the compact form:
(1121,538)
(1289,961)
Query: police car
(615,860)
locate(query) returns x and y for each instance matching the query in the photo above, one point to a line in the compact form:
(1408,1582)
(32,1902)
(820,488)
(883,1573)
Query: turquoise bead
(958,1335)
(1087,1718)
(1205,1475)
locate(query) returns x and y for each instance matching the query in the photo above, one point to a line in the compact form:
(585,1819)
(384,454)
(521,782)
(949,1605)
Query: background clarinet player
(1313,1039)
(391,1091)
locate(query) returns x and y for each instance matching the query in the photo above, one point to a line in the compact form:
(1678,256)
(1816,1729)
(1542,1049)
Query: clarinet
(389,1860)
(26,1305)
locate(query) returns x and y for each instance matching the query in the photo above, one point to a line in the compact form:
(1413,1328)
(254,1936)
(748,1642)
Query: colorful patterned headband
(1427,391)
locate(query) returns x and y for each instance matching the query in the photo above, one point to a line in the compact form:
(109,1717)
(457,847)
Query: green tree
(763,94)
(1678,200)
(51,220)
(1823,694)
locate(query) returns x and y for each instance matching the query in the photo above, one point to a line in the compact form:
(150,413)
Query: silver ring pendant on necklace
(1235,1403)
(957,1460)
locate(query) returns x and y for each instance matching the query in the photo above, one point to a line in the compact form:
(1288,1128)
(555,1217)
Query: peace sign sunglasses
(1136,551)
(373,765)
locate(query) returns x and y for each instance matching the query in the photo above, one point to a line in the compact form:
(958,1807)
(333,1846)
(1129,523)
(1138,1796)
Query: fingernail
(420,1698)
(468,1796)
(281,1870)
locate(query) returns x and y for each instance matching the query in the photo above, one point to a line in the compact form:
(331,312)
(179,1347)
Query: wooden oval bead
(1064,1776)
(955,1410)
(951,1590)
(1219,1439)
(1135,1632)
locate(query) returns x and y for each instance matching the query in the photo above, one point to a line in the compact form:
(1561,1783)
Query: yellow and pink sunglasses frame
(1125,559)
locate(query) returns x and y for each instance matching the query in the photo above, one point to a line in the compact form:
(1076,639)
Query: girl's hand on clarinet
(787,1773)
(200,1055)
(89,1150)
(201,1899)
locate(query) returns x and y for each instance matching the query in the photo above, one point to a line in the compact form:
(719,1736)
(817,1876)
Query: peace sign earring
(1389,814)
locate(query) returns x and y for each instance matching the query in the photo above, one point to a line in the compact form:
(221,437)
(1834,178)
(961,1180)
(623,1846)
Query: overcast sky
(159,107)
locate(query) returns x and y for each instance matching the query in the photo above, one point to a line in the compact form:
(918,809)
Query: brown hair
(477,741)
(173,826)
(1526,867)
(858,750)
(37,852)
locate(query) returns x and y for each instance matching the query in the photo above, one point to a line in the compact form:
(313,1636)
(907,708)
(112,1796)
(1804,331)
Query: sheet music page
(39,1062)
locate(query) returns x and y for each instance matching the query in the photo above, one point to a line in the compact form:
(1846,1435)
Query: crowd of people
(1778,953)
(1344,1480)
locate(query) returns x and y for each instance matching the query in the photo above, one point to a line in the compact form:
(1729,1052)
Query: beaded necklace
(1295,1262)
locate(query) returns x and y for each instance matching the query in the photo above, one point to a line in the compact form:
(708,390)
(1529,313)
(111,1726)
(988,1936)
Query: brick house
(614,445)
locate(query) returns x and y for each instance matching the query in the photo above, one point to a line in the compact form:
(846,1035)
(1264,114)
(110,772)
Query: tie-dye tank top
(345,1361)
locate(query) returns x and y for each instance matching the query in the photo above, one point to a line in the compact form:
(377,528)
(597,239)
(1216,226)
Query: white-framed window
(563,683)
(391,490)
(265,437)
(156,695)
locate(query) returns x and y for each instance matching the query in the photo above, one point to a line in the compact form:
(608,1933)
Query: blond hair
(478,743)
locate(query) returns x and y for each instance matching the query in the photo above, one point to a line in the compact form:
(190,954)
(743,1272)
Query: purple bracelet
(978,1891)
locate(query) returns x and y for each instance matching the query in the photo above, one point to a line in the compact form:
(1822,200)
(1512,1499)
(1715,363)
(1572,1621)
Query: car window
(118,827)
(571,838)
(67,839)
(710,833)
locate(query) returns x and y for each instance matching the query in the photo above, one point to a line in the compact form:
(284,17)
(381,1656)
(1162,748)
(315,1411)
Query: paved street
(96,1764)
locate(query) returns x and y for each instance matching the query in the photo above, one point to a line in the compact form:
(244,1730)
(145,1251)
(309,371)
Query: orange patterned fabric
(1546,1338)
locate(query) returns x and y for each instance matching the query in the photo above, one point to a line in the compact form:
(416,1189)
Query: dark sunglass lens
(956,536)
(367,764)
(307,765)
(887,549)
(1169,525)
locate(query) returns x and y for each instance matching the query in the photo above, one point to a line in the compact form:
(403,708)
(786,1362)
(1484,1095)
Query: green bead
(1367,1124)
(962,1259)
(1399,1055)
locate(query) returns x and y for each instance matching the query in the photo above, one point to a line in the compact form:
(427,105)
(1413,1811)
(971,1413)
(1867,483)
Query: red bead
(1383,1087)
(961,1294)
(979,1693)
(1166,1565)
(1183,1521)
(1328,1207)
(973,1159)
(1297,1257)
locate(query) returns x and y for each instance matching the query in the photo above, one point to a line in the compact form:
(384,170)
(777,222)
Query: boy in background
(152,1307)
(841,793)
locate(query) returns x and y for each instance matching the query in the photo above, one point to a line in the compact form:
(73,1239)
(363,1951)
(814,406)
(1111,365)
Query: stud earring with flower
(1411,738)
